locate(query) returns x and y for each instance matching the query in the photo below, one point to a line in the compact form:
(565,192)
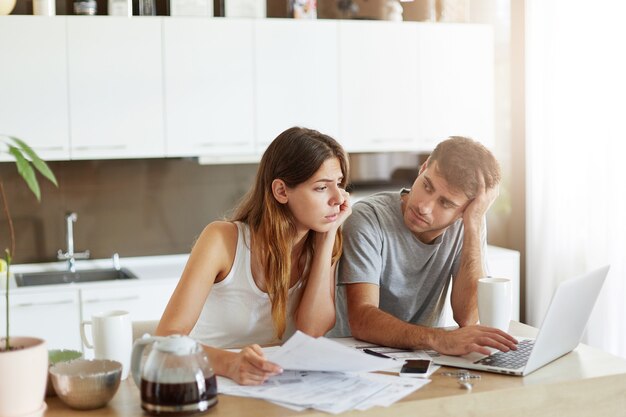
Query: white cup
(112,336)
(494,302)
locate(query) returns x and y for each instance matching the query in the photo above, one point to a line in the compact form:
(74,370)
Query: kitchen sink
(64,277)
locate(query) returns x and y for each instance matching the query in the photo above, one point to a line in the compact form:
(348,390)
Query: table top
(561,385)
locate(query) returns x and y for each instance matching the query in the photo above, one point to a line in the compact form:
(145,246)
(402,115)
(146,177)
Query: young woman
(269,271)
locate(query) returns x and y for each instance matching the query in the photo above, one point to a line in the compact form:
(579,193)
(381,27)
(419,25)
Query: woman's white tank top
(237,313)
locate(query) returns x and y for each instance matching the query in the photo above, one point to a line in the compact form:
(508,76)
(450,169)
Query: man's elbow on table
(358,323)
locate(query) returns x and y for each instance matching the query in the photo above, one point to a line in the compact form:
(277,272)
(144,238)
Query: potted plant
(23,360)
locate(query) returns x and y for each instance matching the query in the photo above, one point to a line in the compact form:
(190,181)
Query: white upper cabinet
(101,87)
(115,87)
(378,80)
(296,77)
(33,84)
(456,83)
(209,93)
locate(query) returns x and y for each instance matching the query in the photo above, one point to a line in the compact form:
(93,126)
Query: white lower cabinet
(52,316)
(56,316)
(144,302)
(501,263)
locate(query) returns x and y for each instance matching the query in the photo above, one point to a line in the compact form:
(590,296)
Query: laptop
(560,332)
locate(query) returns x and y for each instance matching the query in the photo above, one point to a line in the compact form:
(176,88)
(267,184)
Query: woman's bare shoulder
(220,233)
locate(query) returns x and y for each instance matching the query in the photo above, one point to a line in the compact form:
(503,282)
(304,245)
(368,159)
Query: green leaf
(26,171)
(41,166)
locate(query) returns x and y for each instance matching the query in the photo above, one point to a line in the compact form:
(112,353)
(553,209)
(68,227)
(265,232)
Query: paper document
(332,392)
(305,353)
(327,376)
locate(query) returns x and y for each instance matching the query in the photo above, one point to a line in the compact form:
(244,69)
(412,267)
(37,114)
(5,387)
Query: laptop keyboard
(512,359)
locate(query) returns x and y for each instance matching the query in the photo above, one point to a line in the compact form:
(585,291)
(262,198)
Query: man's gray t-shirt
(413,276)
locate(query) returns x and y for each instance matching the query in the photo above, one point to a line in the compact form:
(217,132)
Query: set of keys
(464,378)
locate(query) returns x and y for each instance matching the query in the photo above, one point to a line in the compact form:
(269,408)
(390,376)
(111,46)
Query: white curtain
(576,156)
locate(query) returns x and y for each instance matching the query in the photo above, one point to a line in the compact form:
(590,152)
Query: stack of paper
(327,376)
(332,392)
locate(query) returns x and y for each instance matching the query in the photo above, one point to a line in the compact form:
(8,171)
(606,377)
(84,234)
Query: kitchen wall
(134,207)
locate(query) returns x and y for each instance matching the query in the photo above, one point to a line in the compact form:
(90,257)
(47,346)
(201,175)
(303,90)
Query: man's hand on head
(475,211)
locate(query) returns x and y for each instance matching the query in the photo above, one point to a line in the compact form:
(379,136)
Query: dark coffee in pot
(178,399)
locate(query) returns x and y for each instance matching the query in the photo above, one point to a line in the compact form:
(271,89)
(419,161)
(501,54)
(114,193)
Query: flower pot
(6,6)
(23,375)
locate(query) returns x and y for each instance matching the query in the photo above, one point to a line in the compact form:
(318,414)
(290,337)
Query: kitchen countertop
(146,268)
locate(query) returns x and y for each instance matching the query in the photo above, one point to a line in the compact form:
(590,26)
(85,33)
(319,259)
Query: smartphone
(415,367)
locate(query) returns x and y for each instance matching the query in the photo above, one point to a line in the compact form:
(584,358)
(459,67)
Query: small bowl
(86,384)
(56,356)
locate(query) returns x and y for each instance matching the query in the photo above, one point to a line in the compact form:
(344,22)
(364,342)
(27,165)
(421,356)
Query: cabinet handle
(213,144)
(51,303)
(98,147)
(48,148)
(106,300)
(393,140)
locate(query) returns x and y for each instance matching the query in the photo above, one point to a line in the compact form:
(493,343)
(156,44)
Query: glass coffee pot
(176,377)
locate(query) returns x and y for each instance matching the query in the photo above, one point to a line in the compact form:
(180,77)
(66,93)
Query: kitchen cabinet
(50,315)
(501,263)
(378,84)
(178,86)
(33,84)
(209,91)
(144,302)
(115,87)
(456,83)
(55,315)
(296,77)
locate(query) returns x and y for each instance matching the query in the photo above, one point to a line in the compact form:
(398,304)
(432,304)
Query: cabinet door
(505,263)
(457,83)
(116,87)
(501,263)
(33,85)
(296,77)
(208,86)
(52,316)
(379,85)
(145,302)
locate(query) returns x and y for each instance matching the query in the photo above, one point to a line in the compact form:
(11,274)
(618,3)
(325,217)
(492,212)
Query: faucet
(70,256)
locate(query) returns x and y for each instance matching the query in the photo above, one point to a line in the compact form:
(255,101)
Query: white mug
(112,336)
(494,302)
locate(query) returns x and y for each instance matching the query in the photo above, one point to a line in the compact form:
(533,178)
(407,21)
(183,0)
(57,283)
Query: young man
(403,249)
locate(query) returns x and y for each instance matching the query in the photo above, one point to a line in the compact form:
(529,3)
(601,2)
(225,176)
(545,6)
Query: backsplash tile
(133,207)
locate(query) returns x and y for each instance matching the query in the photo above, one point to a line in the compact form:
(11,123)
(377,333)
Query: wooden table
(585,382)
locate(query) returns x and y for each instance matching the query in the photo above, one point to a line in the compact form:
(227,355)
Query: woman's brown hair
(293,157)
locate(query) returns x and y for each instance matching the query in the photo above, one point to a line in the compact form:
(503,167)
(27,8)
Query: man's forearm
(464,289)
(374,325)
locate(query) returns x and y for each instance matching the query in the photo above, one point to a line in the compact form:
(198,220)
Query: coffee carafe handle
(135,360)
